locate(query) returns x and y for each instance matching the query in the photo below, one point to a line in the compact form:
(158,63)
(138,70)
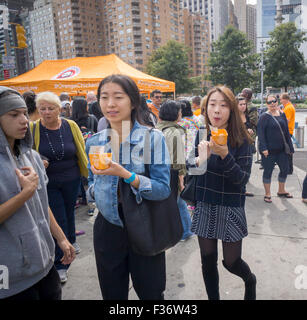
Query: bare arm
(64,244)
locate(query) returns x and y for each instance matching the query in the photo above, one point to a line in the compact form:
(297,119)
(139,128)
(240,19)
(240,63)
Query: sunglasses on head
(272,101)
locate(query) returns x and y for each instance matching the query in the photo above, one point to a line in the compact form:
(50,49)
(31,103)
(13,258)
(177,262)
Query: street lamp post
(262,70)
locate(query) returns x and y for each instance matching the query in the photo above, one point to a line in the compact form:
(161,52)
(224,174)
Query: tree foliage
(170,62)
(231,61)
(284,63)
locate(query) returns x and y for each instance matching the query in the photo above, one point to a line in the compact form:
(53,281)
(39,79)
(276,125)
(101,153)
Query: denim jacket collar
(134,137)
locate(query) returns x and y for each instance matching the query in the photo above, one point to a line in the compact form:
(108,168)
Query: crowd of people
(45,142)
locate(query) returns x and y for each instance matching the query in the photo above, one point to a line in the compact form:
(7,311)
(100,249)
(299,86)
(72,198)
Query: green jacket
(175,137)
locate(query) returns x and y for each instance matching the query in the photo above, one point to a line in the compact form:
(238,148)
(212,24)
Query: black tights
(232,262)
(231,250)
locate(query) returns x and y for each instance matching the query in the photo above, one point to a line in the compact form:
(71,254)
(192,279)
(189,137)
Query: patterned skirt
(218,222)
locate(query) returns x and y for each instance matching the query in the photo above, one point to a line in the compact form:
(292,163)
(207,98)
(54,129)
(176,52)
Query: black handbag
(189,192)
(152,226)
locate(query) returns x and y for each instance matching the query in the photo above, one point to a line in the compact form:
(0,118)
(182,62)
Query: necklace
(61,155)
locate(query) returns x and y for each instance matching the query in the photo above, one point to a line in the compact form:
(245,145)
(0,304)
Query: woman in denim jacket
(119,100)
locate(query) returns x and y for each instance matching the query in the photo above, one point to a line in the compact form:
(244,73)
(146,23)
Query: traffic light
(21,36)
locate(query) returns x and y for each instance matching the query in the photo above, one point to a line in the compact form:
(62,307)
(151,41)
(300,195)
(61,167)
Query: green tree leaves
(231,61)
(170,62)
(284,63)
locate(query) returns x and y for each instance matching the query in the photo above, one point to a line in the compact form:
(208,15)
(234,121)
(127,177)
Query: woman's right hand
(265,153)
(28,180)
(250,131)
(203,152)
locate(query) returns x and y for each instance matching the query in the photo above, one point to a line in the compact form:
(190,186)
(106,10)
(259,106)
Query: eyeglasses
(158,97)
(272,101)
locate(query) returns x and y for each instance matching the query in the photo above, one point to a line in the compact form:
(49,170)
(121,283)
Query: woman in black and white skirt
(220,192)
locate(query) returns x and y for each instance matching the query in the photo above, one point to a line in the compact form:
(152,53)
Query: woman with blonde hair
(60,143)
(220,192)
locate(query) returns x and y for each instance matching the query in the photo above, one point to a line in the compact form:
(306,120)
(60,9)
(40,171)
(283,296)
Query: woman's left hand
(221,150)
(115,169)
(68,250)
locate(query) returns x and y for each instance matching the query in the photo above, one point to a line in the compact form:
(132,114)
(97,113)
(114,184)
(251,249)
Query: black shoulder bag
(189,192)
(152,226)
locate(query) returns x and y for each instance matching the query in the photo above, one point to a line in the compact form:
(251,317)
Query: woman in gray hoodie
(26,222)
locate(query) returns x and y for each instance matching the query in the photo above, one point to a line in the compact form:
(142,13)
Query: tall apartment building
(66,29)
(292,10)
(198,40)
(296,11)
(251,28)
(247,15)
(217,12)
(233,20)
(241,14)
(80,28)
(134,29)
(44,31)
(18,12)
(200,6)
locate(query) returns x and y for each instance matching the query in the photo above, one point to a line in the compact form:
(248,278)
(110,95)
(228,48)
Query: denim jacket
(133,157)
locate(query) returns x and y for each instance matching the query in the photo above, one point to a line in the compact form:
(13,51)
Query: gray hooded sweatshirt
(26,244)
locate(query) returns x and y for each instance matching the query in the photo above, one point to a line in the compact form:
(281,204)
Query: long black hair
(186,108)
(79,112)
(96,111)
(29,97)
(130,88)
(147,115)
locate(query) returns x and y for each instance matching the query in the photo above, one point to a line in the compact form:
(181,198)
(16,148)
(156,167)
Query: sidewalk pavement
(275,247)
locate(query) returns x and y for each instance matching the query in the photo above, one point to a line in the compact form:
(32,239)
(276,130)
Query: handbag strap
(283,136)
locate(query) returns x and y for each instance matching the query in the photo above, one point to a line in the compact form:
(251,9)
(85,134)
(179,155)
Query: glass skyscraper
(268,12)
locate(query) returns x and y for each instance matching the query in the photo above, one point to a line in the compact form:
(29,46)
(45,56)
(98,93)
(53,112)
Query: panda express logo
(67,73)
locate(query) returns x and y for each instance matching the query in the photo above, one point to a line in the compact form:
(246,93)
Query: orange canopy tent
(77,76)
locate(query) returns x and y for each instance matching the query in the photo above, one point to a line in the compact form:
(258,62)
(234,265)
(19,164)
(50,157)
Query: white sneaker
(63,275)
(77,247)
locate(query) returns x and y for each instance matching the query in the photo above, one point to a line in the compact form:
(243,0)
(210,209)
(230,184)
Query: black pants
(115,260)
(49,288)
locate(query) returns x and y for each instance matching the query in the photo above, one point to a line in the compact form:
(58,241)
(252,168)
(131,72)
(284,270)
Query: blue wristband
(131,179)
